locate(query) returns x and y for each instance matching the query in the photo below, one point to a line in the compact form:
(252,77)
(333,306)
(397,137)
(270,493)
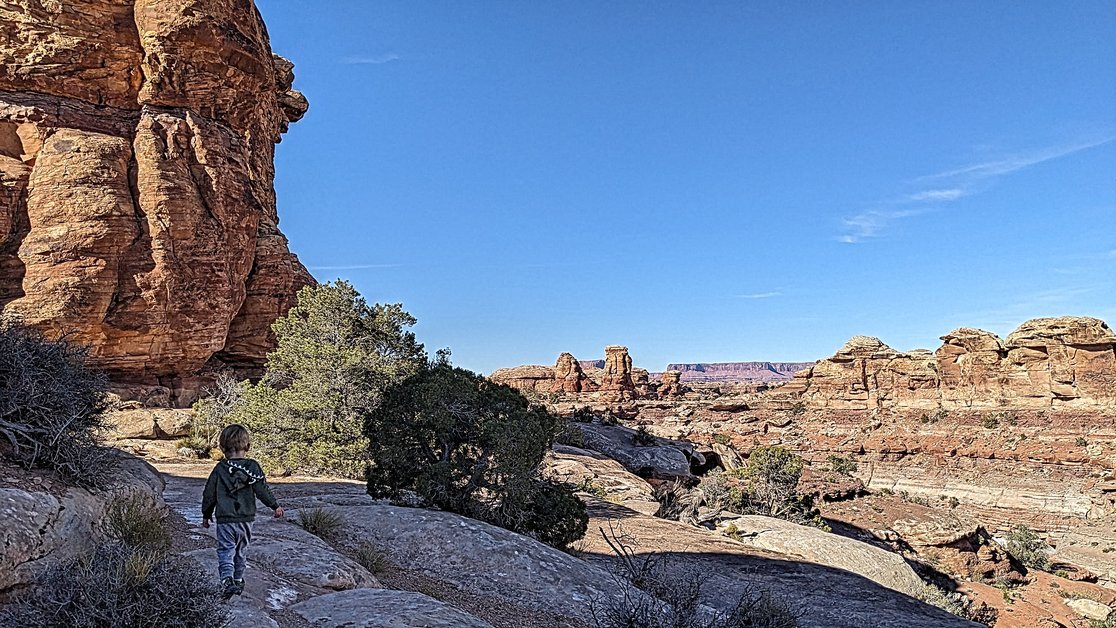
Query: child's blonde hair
(234,438)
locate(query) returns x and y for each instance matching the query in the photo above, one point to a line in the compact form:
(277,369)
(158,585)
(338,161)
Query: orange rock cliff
(137,208)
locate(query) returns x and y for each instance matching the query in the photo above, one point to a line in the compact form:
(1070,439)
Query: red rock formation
(671,385)
(569,376)
(137,212)
(528,378)
(1046,362)
(617,369)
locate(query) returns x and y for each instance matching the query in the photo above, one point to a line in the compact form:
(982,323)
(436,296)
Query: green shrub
(841,465)
(766,485)
(1027,548)
(321,522)
(196,447)
(798,408)
(122,587)
(51,406)
(990,421)
(138,520)
(571,435)
(1081,442)
(583,414)
(722,439)
(470,446)
(643,438)
(334,357)
(371,558)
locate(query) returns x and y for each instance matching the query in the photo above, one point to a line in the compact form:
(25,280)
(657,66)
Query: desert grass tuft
(321,522)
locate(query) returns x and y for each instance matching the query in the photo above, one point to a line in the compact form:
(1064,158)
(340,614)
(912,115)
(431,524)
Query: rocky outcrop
(653,458)
(1045,363)
(601,476)
(823,582)
(617,376)
(569,376)
(137,212)
(670,385)
(739,371)
(529,378)
(44,523)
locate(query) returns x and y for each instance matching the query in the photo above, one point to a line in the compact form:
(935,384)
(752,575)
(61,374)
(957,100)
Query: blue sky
(703,181)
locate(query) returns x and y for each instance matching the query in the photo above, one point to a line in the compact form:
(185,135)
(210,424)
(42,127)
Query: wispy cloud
(371,60)
(760,295)
(1018,161)
(949,194)
(950,185)
(871,224)
(355,267)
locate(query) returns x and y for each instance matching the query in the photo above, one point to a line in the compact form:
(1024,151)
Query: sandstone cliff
(1047,362)
(137,213)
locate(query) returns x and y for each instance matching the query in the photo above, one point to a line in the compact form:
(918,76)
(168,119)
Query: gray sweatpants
(232,545)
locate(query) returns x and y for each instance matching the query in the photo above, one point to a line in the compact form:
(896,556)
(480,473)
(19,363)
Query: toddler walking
(232,489)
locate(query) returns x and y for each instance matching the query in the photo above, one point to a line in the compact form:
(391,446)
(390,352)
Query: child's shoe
(239,584)
(230,587)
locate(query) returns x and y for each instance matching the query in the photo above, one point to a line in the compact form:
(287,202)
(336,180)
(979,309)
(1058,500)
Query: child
(232,489)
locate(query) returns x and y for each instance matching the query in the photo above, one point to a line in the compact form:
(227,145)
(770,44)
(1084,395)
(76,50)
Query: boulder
(1090,609)
(817,546)
(509,568)
(600,475)
(665,460)
(149,423)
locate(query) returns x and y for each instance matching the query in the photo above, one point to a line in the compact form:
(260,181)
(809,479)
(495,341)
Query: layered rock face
(617,370)
(137,212)
(615,381)
(569,377)
(1046,363)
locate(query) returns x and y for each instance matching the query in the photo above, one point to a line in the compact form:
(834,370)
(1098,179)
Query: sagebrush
(51,406)
(123,587)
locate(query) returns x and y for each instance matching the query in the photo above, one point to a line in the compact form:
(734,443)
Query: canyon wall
(137,208)
(1066,362)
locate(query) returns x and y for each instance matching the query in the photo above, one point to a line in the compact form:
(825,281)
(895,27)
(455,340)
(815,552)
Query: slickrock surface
(827,596)
(137,212)
(1067,362)
(44,523)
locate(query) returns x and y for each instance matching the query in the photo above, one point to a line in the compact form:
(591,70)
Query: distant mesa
(739,371)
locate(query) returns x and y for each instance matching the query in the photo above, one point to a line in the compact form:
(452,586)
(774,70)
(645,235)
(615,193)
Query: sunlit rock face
(137,208)
(1068,361)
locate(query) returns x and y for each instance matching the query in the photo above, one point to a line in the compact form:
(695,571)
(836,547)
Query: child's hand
(279,512)
(205,523)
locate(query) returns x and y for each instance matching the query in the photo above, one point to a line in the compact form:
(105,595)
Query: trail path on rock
(295,579)
(448,570)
